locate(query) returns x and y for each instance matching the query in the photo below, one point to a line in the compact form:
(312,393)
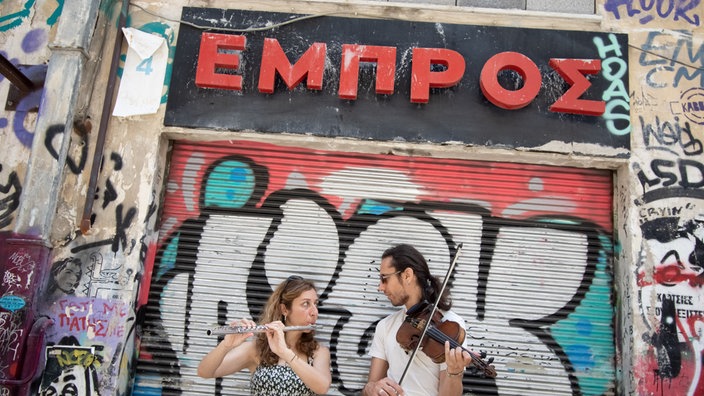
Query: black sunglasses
(292,278)
(383,278)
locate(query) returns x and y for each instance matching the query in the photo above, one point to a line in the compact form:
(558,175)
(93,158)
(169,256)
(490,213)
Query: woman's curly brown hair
(284,294)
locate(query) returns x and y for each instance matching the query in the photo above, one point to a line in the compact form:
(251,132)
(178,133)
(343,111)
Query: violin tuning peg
(491,359)
(482,354)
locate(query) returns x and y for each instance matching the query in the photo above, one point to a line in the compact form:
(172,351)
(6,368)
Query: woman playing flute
(282,363)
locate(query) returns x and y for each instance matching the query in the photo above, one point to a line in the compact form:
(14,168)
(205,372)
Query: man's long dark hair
(406,256)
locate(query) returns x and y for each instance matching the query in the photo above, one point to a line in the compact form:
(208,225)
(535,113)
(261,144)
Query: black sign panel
(460,113)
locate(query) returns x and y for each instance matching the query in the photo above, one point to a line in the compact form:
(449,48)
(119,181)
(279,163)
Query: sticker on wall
(12,303)
(143,76)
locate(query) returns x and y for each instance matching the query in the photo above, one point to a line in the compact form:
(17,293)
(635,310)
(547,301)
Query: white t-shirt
(422,378)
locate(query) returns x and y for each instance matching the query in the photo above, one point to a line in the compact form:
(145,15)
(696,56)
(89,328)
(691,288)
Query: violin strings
(436,334)
(439,335)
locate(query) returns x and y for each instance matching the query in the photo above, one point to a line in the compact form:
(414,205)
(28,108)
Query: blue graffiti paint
(590,348)
(584,327)
(29,102)
(11,21)
(34,41)
(576,332)
(26,105)
(54,17)
(678,10)
(615,70)
(580,356)
(230,185)
(370,206)
(168,259)
(142,387)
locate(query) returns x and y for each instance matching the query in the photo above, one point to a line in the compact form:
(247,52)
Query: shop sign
(399,80)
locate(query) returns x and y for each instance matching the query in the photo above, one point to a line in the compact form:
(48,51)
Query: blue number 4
(145,66)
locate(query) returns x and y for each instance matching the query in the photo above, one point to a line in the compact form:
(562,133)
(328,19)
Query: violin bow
(432,312)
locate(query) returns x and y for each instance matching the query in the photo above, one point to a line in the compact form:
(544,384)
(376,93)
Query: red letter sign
(385,57)
(422,78)
(505,98)
(311,63)
(210,59)
(573,70)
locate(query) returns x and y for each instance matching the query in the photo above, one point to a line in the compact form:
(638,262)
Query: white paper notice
(142,79)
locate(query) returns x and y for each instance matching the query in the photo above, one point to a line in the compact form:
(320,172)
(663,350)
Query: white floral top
(277,380)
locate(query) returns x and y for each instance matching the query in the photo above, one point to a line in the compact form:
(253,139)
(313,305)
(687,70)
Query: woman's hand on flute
(233,353)
(277,340)
(234,340)
(227,358)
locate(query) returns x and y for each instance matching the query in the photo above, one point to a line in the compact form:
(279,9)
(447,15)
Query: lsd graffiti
(670,273)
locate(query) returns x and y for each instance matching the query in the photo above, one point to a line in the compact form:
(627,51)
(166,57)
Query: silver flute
(222,330)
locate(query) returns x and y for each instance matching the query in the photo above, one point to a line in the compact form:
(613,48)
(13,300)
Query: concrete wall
(26,33)
(665,70)
(659,190)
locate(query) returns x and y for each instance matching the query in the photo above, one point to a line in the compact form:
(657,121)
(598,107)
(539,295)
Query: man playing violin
(405,279)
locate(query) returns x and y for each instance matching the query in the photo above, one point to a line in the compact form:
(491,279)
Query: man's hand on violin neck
(456,358)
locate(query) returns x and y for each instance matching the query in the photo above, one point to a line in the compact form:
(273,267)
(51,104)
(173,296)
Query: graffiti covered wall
(96,281)
(667,101)
(91,282)
(239,215)
(25,31)
(26,28)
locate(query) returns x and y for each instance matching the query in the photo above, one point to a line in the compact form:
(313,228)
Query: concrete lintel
(76,24)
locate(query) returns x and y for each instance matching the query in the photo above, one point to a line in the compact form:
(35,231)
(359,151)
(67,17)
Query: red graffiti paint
(670,274)
(689,381)
(472,180)
(146,279)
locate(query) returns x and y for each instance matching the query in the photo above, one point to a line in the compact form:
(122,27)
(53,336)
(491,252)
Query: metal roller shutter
(533,281)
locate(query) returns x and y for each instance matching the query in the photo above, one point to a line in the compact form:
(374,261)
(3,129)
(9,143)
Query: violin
(437,332)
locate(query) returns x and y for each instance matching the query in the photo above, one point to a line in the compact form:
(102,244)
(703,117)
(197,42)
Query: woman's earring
(284,319)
